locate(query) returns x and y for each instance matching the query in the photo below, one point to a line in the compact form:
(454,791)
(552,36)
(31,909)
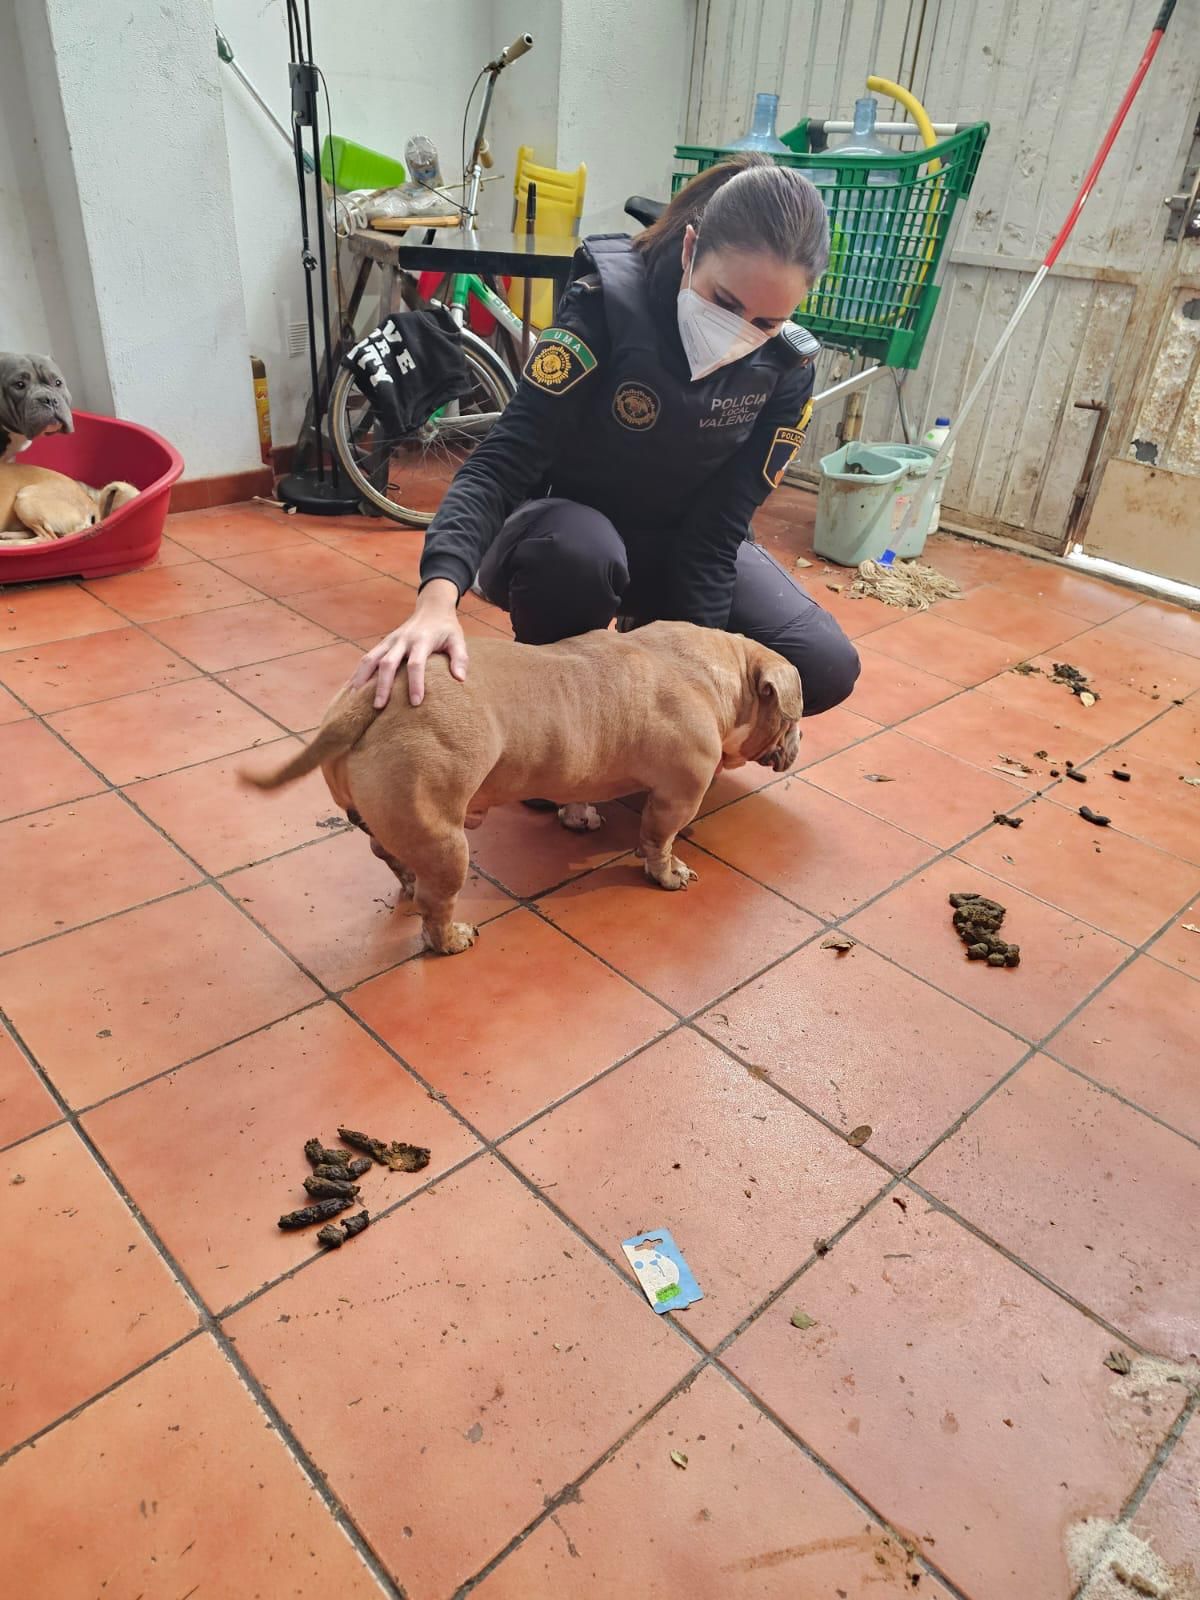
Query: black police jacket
(607,414)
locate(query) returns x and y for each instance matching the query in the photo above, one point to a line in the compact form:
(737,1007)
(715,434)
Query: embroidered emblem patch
(784,446)
(635,406)
(558,361)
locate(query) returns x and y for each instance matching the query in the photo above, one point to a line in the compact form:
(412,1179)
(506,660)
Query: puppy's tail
(345,723)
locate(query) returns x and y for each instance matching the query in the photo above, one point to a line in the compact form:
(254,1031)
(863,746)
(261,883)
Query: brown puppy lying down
(37,504)
(662,709)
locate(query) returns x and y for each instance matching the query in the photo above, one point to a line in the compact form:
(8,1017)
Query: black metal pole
(321,409)
(310,488)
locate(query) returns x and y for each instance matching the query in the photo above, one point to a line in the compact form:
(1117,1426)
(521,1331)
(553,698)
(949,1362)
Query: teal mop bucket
(917,460)
(855,503)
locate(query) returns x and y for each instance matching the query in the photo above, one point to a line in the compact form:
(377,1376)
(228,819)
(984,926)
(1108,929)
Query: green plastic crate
(879,293)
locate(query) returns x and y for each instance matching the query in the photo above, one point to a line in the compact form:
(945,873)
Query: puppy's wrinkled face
(33,396)
(782,754)
(775,738)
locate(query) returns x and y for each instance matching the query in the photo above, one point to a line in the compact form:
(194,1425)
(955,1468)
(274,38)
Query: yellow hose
(905,97)
(897,91)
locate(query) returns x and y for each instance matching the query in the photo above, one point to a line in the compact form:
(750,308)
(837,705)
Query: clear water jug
(762,135)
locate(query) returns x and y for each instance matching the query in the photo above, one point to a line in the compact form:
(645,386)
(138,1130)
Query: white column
(127,110)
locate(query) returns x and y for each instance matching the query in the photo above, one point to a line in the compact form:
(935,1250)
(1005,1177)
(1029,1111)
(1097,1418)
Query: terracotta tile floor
(925,1199)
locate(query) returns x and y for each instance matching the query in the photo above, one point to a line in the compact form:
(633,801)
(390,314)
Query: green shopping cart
(890,219)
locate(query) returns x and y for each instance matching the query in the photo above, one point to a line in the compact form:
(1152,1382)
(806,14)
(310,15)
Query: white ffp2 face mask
(712,337)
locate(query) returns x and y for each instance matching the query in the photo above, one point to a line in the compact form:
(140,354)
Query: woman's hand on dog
(433,629)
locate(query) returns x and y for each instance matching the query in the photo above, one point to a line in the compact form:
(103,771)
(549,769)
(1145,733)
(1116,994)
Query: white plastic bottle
(933,441)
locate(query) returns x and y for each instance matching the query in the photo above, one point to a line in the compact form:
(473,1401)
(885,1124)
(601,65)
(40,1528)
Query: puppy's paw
(456,938)
(580,818)
(675,875)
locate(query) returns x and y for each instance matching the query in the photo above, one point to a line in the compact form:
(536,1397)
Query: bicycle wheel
(405,478)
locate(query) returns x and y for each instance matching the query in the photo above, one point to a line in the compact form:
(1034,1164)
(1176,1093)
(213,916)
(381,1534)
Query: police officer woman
(653,419)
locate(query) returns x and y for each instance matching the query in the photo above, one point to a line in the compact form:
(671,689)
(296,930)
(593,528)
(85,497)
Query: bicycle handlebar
(519,47)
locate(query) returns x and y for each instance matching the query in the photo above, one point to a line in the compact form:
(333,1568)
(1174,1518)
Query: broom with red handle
(919,502)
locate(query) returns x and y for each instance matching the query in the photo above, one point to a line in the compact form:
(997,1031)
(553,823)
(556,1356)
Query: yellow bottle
(262,404)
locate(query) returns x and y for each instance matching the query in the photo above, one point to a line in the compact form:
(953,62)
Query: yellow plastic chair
(559,208)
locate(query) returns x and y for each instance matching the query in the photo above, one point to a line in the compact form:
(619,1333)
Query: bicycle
(405,478)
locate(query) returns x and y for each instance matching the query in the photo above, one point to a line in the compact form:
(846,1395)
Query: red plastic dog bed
(101,450)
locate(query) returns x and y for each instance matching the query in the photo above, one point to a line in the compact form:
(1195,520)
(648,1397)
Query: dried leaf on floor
(761,1073)
(802,1320)
(859,1136)
(841,942)
(878,777)
(1190,927)
(1118,1361)
(1014,761)
(680,1460)
(1027,669)
(1195,782)
(803,561)
(835,587)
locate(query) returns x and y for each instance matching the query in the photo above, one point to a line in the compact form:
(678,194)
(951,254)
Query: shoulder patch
(784,448)
(558,361)
(802,342)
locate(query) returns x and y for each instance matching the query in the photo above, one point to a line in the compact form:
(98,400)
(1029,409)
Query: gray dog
(33,400)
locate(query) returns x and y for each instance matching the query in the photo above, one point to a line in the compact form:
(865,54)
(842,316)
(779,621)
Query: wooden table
(489,252)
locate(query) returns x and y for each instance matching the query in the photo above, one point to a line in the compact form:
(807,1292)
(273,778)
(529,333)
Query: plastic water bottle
(933,441)
(762,135)
(868,254)
(421,158)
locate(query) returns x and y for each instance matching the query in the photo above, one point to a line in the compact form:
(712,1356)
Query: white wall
(605,83)
(34,306)
(622,99)
(23,323)
(133,151)
(392,70)
(149,235)
(525,107)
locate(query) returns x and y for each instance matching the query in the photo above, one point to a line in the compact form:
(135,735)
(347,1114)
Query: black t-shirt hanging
(409,367)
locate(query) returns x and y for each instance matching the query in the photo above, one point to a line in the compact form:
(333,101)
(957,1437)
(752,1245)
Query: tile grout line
(906,1542)
(1190,1409)
(1129,1509)
(1116,1094)
(210,879)
(945,1209)
(36,1437)
(681,1021)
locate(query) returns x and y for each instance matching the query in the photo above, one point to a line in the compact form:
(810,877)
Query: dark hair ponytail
(745,203)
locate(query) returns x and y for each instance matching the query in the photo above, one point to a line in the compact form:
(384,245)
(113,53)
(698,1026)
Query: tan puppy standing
(38,504)
(662,709)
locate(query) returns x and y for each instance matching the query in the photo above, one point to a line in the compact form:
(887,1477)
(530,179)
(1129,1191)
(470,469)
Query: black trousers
(560,568)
